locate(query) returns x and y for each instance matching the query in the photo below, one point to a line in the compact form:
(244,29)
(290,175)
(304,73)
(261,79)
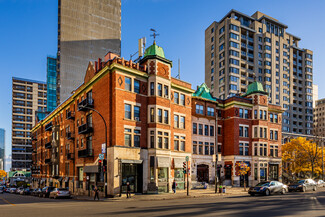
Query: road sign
(101,156)
(103,148)
(187,158)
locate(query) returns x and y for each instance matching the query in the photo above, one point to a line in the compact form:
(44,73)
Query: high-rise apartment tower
(28,98)
(241,48)
(2,148)
(87,29)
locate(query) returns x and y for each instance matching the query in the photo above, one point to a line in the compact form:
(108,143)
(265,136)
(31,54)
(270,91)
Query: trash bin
(220,189)
(224,190)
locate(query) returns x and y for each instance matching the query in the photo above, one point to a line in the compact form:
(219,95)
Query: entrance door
(242,178)
(132,173)
(203,173)
(274,172)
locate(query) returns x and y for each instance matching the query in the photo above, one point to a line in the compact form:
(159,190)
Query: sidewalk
(194,193)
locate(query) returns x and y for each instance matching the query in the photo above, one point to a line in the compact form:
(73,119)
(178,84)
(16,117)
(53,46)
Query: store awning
(91,169)
(178,162)
(163,161)
(123,161)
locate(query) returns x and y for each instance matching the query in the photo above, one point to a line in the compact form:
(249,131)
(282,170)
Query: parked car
(60,192)
(18,190)
(1,190)
(46,191)
(26,191)
(7,190)
(303,185)
(12,190)
(267,188)
(320,183)
(36,192)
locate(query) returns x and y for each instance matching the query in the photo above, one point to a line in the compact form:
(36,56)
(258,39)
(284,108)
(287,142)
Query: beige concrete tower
(87,30)
(28,97)
(241,48)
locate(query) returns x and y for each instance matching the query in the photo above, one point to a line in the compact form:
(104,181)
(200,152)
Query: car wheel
(283,191)
(315,188)
(267,192)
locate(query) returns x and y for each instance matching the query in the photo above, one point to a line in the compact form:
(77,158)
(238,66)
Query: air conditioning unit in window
(137,119)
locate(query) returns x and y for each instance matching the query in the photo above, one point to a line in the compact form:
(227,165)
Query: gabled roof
(204,92)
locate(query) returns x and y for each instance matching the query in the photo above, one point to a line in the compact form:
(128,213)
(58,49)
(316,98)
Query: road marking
(6,201)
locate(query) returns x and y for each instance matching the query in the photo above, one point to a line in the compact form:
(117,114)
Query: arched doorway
(202,173)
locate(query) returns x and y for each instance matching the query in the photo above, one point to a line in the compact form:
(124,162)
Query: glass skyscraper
(51,84)
(2,149)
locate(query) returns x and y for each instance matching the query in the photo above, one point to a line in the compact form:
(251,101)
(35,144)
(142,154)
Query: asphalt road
(291,204)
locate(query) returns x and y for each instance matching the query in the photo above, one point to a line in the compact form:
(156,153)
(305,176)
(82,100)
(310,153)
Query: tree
(3,174)
(243,169)
(301,156)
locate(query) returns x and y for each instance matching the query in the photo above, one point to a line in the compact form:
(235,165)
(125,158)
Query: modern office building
(28,97)
(2,148)
(51,79)
(241,48)
(87,29)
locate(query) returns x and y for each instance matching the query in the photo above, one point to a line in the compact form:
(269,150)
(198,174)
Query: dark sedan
(267,188)
(46,191)
(303,185)
(36,192)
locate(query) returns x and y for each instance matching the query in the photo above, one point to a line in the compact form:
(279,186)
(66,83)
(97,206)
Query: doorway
(203,173)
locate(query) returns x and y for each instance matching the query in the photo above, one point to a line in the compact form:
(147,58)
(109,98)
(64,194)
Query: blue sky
(29,34)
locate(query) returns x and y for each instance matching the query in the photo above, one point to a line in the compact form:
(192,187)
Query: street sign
(101,156)
(187,158)
(103,148)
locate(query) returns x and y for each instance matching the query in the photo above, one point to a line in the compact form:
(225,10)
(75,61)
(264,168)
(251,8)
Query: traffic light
(99,166)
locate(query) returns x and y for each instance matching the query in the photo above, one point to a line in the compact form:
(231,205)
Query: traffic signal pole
(188,187)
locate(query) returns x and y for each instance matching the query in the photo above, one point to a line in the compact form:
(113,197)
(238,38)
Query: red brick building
(148,117)
(248,129)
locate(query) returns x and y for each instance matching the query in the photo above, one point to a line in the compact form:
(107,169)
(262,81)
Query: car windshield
(301,181)
(263,184)
(62,189)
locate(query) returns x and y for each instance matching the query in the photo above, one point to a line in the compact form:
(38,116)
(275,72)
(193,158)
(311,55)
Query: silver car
(60,192)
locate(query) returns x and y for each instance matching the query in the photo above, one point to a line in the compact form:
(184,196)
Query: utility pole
(105,174)
(322,158)
(187,173)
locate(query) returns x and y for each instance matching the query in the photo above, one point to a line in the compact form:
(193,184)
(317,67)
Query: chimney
(110,56)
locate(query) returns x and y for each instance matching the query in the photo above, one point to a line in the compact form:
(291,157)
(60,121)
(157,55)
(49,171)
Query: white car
(320,183)
(12,190)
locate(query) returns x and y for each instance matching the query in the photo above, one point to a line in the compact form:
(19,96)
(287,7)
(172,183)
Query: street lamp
(105,174)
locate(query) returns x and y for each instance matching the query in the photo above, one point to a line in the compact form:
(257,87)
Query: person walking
(174,186)
(96,193)
(128,190)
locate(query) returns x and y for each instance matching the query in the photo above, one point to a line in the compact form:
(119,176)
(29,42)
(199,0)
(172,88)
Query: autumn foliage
(302,157)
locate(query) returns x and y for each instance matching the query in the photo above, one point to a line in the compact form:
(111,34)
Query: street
(291,204)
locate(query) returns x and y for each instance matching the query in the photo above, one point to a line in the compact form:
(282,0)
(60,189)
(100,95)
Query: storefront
(179,173)
(132,173)
(163,164)
(263,171)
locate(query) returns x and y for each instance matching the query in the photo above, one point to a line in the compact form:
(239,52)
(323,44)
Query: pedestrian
(174,186)
(96,193)
(128,190)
